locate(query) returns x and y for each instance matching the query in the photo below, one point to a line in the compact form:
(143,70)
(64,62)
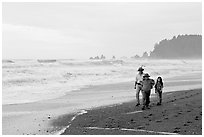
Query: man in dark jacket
(147,85)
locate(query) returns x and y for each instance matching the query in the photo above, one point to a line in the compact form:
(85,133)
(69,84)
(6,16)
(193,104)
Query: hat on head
(146,75)
(140,69)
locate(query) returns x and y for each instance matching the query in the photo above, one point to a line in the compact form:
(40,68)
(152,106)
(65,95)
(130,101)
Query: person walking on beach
(138,86)
(158,90)
(147,85)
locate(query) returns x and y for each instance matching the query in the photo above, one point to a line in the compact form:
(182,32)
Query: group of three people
(144,84)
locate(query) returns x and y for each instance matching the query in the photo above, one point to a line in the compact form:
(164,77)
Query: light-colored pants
(138,89)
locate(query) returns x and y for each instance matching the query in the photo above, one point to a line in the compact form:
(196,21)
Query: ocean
(25,81)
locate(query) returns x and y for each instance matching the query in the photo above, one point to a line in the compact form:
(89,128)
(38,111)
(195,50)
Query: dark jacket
(148,84)
(158,86)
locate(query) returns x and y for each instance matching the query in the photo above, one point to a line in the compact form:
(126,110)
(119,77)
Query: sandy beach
(180,113)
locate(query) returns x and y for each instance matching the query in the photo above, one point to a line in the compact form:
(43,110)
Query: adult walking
(147,85)
(138,85)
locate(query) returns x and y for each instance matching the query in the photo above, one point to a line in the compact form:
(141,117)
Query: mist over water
(34,80)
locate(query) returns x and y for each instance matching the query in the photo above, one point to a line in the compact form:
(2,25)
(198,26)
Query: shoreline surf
(31,81)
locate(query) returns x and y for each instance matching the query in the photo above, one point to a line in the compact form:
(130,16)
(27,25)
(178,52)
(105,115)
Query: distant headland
(182,46)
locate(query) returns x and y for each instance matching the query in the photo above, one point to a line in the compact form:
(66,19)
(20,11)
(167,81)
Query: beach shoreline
(40,115)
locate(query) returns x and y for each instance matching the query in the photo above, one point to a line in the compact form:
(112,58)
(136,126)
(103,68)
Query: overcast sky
(81,30)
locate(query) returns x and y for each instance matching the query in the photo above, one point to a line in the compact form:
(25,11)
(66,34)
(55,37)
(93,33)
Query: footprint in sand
(140,127)
(158,121)
(84,132)
(165,110)
(166,118)
(147,124)
(132,121)
(185,124)
(189,122)
(176,130)
(48,116)
(196,118)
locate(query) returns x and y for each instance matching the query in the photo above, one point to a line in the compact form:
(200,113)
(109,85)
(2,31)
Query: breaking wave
(44,79)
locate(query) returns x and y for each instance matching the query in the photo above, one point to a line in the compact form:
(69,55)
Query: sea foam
(30,80)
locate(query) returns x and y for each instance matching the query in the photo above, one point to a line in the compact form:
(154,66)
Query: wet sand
(180,113)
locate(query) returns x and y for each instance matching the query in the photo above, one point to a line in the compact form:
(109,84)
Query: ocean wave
(23,81)
(108,62)
(7,61)
(47,60)
(23,66)
(93,63)
(60,77)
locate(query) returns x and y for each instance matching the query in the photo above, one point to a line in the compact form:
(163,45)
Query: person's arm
(153,82)
(162,86)
(136,82)
(155,85)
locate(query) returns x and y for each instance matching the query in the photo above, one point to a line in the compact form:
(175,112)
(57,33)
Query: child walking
(147,85)
(158,90)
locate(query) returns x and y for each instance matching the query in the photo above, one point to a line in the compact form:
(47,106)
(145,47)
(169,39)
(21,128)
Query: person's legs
(147,98)
(160,97)
(138,88)
(144,99)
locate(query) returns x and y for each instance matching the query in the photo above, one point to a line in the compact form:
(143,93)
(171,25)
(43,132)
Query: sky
(81,30)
